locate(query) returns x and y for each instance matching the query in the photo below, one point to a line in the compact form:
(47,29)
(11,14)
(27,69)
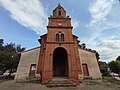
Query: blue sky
(95,22)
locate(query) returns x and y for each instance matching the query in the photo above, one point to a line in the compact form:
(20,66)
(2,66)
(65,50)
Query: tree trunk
(113,76)
(10,72)
(119,75)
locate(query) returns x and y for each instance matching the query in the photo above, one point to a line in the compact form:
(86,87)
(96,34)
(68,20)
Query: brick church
(59,55)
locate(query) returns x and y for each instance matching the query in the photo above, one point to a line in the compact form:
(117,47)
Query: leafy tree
(9,57)
(118,58)
(83,45)
(97,55)
(1,55)
(1,44)
(103,68)
(115,66)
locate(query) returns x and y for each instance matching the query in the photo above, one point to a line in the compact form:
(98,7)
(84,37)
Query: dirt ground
(85,85)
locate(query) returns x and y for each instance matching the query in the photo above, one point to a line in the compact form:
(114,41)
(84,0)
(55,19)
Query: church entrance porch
(60,63)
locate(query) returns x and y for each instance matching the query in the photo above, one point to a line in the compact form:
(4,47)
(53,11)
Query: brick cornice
(59,42)
(59,27)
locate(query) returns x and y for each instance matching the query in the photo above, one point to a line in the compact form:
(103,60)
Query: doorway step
(61,82)
(87,78)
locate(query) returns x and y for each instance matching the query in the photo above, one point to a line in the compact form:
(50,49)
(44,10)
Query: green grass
(111,79)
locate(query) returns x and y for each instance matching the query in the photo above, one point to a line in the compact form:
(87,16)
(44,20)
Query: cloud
(109,48)
(29,14)
(104,27)
(75,23)
(99,10)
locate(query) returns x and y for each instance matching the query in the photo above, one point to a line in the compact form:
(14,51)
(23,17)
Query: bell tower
(59,23)
(59,56)
(59,12)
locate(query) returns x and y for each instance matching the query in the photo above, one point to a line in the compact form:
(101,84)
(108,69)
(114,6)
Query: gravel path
(86,85)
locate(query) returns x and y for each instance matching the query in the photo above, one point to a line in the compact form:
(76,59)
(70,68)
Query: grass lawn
(111,79)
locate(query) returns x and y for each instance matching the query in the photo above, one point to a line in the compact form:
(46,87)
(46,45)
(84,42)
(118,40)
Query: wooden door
(85,70)
(32,70)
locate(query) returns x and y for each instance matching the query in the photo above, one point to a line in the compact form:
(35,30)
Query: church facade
(59,55)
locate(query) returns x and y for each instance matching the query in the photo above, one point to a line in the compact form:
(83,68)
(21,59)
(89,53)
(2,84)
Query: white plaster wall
(89,58)
(27,58)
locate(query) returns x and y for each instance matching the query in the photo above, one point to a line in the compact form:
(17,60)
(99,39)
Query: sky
(95,22)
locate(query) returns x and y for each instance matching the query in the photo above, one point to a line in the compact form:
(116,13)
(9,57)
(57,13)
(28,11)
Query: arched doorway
(60,62)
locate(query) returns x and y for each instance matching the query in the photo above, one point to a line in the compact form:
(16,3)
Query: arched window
(59,13)
(62,37)
(57,37)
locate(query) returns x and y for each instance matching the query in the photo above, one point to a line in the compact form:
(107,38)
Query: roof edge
(93,51)
(29,50)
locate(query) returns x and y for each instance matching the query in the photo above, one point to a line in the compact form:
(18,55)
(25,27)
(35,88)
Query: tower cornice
(59,27)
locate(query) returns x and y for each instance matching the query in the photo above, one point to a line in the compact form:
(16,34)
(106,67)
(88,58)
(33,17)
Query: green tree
(1,42)
(103,68)
(1,55)
(97,55)
(118,58)
(83,45)
(115,66)
(9,57)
